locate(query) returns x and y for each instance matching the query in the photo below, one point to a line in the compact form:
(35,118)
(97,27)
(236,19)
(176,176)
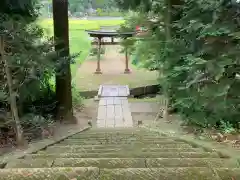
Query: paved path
(113,109)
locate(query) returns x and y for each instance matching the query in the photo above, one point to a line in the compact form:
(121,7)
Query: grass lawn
(79,39)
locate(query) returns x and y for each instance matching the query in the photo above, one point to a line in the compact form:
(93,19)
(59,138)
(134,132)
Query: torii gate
(102,34)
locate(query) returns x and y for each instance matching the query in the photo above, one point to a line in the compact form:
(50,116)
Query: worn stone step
(82,150)
(129,154)
(30,163)
(227,173)
(123,146)
(121,162)
(70,142)
(139,138)
(115,130)
(122,140)
(82,173)
(146,136)
(190,173)
(119,133)
(190,162)
(158,174)
(136,136)
(142,162)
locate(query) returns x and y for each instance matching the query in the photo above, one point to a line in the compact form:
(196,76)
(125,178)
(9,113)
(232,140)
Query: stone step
(119,138)
(190,173)
(127,154)
(82,173)
(122,146)
(227,173)
(82,150)
(168,174)
(122,163)
(142,162)
(101,135)
(116,131)
(86,142)
(30,163)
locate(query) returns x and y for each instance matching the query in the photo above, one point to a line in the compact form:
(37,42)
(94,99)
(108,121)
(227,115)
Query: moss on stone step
(82,173)
(86,142)
(124,130)
(142,162)
(82,150)
(122,162)
(30,163)
(119,139)
(190,162)
(120,136)
(49,174)
(123,146)
(229,174)
(126,154)
(100,162)
(158,174)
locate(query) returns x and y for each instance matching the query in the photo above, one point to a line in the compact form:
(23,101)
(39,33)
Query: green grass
(111,14)
(77,24)
(79,39)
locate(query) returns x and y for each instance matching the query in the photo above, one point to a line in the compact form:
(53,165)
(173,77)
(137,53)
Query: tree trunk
(168,39)
(63,80)
(12,99)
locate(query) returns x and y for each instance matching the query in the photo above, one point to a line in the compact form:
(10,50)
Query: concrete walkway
(113,109)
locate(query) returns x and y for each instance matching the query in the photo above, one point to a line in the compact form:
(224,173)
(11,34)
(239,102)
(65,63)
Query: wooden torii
(110,34)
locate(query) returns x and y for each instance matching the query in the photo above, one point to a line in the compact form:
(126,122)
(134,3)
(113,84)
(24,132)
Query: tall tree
(12,95)
(63,76)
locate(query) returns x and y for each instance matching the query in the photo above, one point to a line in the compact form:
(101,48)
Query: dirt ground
(112,66)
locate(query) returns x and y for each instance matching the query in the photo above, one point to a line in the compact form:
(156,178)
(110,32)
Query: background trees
(78,8)
(196,47)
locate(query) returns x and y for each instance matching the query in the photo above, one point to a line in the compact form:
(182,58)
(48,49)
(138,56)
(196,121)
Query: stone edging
(137,91)
(222,150)
(37,146)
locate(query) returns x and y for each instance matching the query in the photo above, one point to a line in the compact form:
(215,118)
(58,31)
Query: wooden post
(98,70)
(63,79)
(12,96)
(127,70)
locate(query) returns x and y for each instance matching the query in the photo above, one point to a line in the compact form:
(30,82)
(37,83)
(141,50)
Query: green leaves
(199,65)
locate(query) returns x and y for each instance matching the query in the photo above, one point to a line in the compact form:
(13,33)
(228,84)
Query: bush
(94,51)
(197,56)
(201,62)
(78,100)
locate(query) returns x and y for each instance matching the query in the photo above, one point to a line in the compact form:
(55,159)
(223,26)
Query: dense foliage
(79,8)
(30,58)
(197,52)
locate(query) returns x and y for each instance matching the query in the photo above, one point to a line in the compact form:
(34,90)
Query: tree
(12,94)
(27,63)
(63,76)
(196,48)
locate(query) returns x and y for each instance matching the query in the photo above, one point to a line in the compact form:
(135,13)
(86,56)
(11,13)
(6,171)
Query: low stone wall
(135,92)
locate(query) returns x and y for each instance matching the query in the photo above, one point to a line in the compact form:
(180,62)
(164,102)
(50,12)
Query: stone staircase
(121,154)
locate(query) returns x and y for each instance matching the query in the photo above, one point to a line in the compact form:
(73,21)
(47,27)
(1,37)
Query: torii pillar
(127,70)
(98,70)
